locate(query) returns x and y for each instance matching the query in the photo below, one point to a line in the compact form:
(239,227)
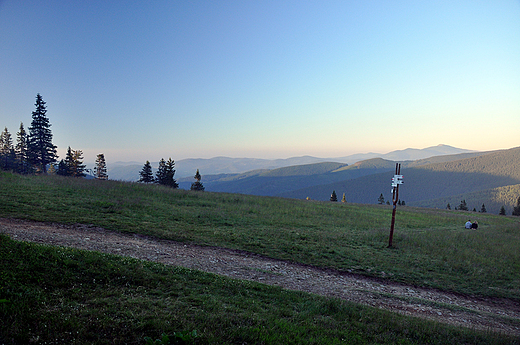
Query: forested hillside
(443,181)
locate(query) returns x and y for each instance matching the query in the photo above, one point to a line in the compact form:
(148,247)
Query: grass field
(127,299)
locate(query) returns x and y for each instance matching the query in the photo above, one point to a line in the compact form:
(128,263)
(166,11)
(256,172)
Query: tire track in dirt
(501,315)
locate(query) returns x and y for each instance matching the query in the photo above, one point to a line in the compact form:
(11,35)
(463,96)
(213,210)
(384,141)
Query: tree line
(165,175)
(464,207)
(35,153)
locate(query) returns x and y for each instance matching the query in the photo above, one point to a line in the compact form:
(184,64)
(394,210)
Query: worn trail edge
(500,315)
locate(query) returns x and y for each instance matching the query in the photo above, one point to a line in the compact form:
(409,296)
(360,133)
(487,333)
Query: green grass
(52,295)
(56,295)
(432,248)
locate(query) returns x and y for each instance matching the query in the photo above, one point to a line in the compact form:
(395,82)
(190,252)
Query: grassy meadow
(47,291)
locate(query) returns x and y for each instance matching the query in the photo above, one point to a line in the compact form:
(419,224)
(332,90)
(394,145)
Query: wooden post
(395,197)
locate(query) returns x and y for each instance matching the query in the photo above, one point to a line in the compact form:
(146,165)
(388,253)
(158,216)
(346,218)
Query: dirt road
(500,315)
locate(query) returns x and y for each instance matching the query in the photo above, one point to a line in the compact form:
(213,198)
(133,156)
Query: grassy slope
(89,297)
(432,248)
(65,296)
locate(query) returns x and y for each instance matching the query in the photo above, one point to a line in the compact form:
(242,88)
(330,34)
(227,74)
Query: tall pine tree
(41,151)
(7,154)
(20,149)
(100,170)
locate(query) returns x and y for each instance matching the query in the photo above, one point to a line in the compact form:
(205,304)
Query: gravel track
(501,315)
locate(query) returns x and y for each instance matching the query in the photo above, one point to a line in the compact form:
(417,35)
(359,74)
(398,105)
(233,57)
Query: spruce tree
(381,199)
(483,209)
(463,206)
(69,162)
(20,149)
(78,168)
(197,185)
(63,169)
(165,173)
(333,196)
(100,170)
(7,154)
(502,211)
(344,199)
(146,173)
(448,207)
(41,151)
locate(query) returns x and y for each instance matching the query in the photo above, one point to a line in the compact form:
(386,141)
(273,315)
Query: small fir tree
(463,206)
(40,149)
(165,173)
(63,169)
(78,168)
(333,196)
(343,199)
(146,173)
(516,209)
(502,211)
(381,199)
(448,207)
(483,209)
(100,170)
(197,185)
(52,169)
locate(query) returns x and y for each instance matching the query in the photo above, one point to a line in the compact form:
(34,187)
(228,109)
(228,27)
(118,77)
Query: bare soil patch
(501,315)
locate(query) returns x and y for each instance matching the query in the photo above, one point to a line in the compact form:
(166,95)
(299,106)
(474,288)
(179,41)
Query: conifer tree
(165,173)
(483,209)
(463,206)
(502,211)
(20,149)
(100,170)
(333,196)
(63,169)
(343,199)
(78,168)
(74,164)
(381,199)
(146,173)
(448,207)
(7,154)
(197,185)
(41,151)
(69,159)
(516,209)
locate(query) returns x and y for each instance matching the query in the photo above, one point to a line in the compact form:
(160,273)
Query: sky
(143,80)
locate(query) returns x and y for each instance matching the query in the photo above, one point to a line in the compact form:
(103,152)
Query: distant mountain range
(490,178)
(433,177)
(129,171)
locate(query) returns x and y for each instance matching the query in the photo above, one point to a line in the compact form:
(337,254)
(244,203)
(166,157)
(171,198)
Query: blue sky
(139,80)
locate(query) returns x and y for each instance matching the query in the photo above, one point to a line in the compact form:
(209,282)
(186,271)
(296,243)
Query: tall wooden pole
(395,197)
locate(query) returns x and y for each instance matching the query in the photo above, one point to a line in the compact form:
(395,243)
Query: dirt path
(481,313)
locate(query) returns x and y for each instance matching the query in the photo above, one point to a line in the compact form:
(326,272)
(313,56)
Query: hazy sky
(141,80)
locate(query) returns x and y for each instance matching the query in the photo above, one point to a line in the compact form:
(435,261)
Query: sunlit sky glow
(139,80)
